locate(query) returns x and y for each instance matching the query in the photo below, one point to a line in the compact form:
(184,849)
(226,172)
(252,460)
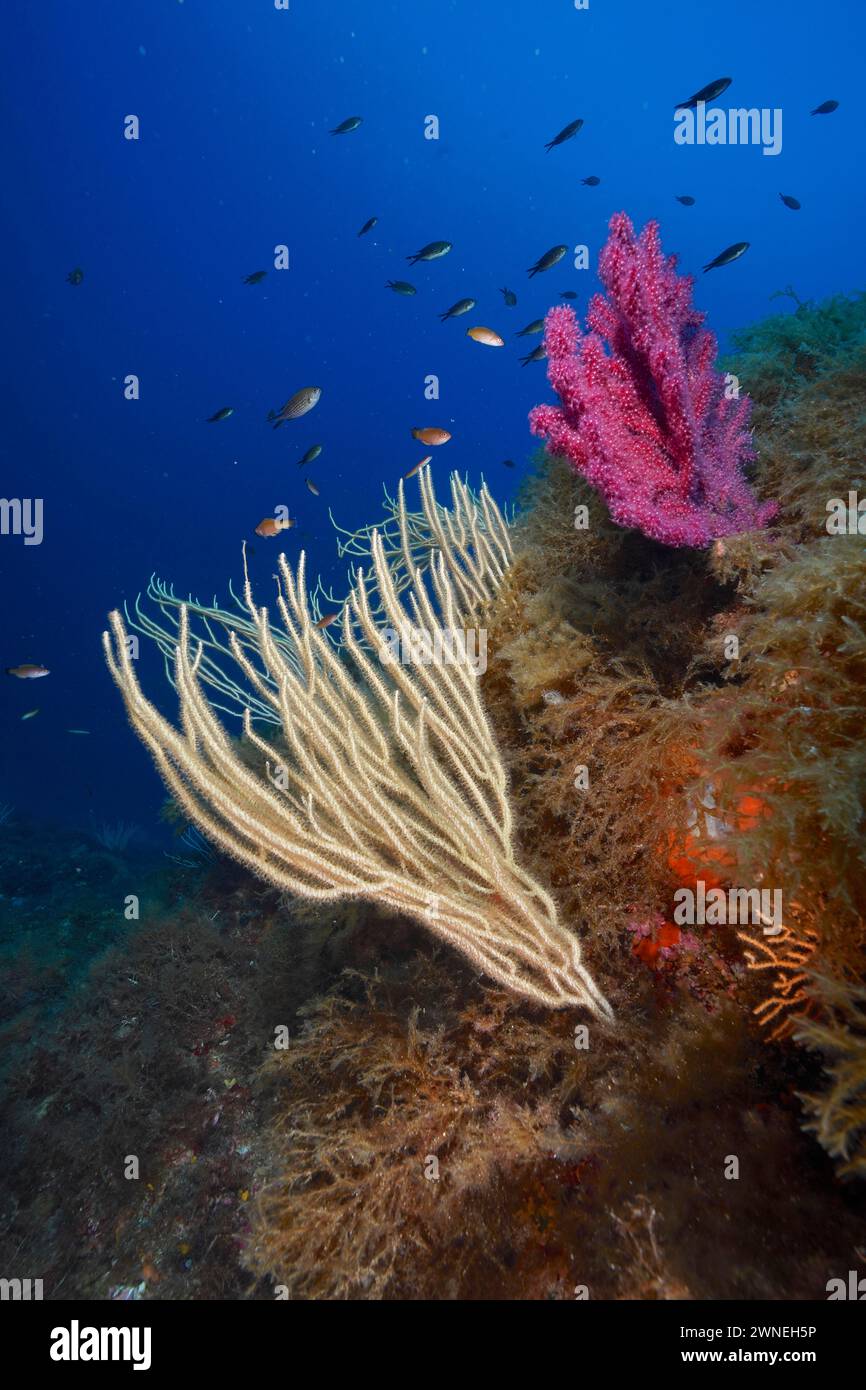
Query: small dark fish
(350,123)
(313,489)
(418,467)
(565,134)
(461,307)
(730,253)
(326,621)
(400,287)
(301,403)
(222,414)
(27,672)
(431,252)
(312,453)
(256,278)
(548,260)
(537,326)
(568,294)
(75,276)
(592,182)
(825,108)
(686,199)
(537,355)
(508,463)
(708,93)
(510,297)
(368,226)
(790,202)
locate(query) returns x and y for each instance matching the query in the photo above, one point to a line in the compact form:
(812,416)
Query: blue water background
(235,100)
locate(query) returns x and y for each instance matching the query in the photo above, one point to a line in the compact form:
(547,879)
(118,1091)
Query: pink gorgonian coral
(644,416)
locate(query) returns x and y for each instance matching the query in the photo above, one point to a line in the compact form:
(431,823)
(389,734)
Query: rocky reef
(327,1102)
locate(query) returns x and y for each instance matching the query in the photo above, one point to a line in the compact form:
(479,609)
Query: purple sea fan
(643,414)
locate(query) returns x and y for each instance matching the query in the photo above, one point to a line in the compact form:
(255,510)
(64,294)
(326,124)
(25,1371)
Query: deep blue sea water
(235,99)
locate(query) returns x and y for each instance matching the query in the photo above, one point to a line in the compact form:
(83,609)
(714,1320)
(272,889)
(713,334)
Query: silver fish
(301,403)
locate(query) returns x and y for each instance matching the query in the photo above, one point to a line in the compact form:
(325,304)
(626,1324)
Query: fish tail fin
(533,271)
(278,423)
